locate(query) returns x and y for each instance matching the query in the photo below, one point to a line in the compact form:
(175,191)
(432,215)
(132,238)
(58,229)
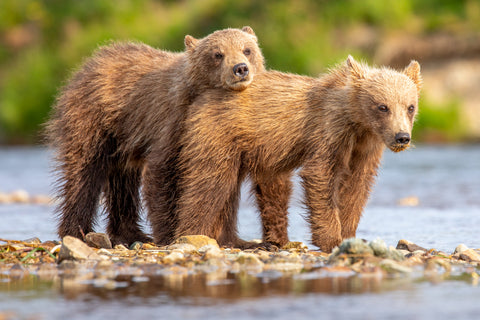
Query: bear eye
(383,108)
(218,55)
(247,51)
(411,108)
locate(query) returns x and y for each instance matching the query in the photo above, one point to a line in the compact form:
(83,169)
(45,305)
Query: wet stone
(120,247)
(297,245)
(137,245)
(196,240)
(392,266)
(460,248)
(379,247)
(184,247)
(469,255)
(211,252)
(75,249)
(19,196)
(98,240)
(249,259)
(34,240)
(410,246)
(173,257)
(355,246)
(434,264)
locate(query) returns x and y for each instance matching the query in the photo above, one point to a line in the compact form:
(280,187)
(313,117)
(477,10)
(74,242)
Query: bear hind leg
(123,203)
(79,194)
(273,195)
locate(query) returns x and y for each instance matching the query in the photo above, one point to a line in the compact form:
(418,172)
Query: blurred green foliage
(42,41)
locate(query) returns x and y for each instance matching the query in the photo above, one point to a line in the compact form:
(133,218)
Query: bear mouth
(239,84)
(397,147)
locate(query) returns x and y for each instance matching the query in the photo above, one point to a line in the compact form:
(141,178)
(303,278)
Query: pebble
(41,199)
(4,198)
(379,247)
(410,246)
(392,266)
(469,255)
(33,240)
(184,247)
(434,264)
(23,197)
(295,245)
(98,240)
(75,249)
(460,248)
(355,246)
(174,256)
(196,240)
(408,201)
(211,252)
(120,247)
(19,196)
(137,245)
(249,259)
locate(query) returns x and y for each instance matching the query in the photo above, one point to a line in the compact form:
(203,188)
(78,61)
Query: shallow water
(445,179)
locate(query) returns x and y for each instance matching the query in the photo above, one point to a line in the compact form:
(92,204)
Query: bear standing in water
(123,107)
(334,128)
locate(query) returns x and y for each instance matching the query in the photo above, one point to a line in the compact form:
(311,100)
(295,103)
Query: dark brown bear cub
(334,128)
(124,106)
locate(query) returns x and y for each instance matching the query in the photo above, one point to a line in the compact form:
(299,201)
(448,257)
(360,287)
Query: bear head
(385,101)
(226,58)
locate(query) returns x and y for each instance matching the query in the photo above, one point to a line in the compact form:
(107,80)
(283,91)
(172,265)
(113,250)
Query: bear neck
(339,120)
(189,86)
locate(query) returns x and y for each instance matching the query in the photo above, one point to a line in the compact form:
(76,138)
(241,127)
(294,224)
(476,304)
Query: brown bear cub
(124,106)
(335,128)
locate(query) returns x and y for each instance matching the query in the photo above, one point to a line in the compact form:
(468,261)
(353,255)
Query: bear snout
(402,138)
(240,70)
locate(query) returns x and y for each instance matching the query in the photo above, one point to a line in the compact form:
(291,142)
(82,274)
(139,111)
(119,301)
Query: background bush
(43,41)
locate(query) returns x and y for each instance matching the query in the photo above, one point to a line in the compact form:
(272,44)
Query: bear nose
(240,70)
(402,138)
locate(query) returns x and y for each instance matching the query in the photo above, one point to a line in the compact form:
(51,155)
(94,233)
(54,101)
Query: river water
(444,180)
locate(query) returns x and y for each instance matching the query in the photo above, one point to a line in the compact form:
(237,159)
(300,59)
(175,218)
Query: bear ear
(190,42)
(249,30)
(413,72)
(356,69)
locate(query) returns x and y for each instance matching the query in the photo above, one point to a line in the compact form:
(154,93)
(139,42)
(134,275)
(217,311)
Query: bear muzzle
(241,70)
(402,142)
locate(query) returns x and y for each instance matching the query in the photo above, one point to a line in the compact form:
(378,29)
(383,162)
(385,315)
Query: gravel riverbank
(101,265)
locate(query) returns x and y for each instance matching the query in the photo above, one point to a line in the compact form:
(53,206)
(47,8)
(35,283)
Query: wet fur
(116,121)
(330,127)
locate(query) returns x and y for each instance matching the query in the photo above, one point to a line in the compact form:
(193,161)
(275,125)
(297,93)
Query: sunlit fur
(119,111)
(330,127)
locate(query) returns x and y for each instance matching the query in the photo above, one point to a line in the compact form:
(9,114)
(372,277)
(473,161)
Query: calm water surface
(445,179)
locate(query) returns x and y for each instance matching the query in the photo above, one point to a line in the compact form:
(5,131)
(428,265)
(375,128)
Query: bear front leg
(320,191)
(356,187)
(273,194)
(161,194)
(208,190)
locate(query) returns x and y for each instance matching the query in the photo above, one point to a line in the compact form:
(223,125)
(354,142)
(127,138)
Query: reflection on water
(196,288)
(180,295)
(446,181)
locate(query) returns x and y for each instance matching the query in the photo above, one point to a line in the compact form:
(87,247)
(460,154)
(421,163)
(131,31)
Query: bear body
(124,105)
(334,128)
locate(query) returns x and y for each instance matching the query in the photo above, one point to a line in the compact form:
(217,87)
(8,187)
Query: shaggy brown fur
(120,111)
(334,128)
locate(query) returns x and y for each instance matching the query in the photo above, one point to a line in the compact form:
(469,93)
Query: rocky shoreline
(100,265)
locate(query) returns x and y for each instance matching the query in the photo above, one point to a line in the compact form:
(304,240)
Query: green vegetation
(42,41)
(438,123)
